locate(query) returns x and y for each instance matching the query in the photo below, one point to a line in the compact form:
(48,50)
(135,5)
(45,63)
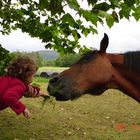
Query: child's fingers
(32,91)
(26,113)
(45,95)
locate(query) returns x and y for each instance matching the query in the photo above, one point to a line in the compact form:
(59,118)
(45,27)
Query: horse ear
(104,43)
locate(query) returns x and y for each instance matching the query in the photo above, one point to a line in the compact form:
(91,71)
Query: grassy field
(56,69)
(111,116)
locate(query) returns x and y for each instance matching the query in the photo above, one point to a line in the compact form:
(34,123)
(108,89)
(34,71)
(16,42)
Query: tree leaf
(73,4)
(67,18)
(93,18)
(43,4)
(115,16)
(109,19)
(102,6)
(92,2)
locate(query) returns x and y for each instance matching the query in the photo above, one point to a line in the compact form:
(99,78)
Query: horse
(98,71)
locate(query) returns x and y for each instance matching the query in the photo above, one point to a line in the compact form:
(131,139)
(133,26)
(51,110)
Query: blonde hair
(22,68)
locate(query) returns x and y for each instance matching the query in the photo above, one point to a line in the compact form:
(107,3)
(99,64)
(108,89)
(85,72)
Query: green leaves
(92,2)
(108,17)
(102,6)
(67,18)
(137,2)
(43,4)
(136,14)
(61,29)
(5,58)
(89,16)
(73,4)
(54,6)
(129,3)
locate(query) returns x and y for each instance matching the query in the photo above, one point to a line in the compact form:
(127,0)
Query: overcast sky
(123,36)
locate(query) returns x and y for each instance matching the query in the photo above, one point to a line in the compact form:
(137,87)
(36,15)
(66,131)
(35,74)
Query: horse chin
(96,91)
(67,95)
(61,95)
(76,95)
(61,98)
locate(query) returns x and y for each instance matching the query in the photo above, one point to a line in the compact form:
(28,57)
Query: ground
(111,116)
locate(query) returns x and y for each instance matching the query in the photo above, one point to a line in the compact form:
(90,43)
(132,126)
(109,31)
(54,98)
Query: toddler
(16,83)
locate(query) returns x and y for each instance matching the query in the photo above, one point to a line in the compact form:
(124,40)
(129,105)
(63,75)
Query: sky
(18,41)
(123,36)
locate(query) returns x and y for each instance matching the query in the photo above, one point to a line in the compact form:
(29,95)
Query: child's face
(30,78)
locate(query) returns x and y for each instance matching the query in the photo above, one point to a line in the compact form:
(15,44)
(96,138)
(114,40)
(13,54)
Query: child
(15,84)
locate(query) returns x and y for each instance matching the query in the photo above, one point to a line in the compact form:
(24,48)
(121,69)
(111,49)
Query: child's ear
(29,74)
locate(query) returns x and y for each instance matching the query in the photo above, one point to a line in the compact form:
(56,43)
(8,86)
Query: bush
(44,74)
(5,58)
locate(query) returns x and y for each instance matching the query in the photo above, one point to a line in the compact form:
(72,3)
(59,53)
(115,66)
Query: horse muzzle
(58,88)
(62,89)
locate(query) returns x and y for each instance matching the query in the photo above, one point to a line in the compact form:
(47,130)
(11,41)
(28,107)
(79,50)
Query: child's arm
(34,91)
(12,96)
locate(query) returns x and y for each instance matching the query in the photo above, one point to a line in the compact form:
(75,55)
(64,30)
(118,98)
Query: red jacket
(11,90)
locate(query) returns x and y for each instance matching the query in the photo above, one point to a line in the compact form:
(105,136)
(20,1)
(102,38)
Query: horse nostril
(53,80)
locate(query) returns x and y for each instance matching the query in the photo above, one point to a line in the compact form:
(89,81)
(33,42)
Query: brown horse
(98,71)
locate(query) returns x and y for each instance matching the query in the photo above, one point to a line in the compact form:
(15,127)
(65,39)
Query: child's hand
(32,91)
(26,113)
(36,92)
(43,93)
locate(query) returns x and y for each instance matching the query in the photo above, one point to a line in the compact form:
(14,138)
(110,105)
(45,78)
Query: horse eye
(87,58)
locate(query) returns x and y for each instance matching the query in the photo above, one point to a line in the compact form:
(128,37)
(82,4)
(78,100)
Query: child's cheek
(30,79)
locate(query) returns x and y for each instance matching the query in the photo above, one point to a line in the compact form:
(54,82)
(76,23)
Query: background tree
(5,58)
(67,60)
(33,55)
(51,21)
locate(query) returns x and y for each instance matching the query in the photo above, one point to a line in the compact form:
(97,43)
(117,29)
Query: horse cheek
(102,72)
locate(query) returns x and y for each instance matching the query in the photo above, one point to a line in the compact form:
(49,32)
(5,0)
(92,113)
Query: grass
(87,118)
(42,82)
(56,69)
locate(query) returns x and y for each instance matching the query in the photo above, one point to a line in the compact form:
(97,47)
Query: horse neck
(126,80)
(115,59)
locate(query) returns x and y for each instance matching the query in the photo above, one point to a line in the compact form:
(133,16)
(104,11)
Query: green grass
(87,118)
(42,82)
(56,69)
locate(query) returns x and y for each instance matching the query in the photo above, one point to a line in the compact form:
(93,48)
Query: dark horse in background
(98,71)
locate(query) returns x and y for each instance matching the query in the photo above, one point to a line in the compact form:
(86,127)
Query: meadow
(111,116)
(50,69)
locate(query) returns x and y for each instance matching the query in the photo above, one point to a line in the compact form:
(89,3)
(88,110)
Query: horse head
(96,72)
(89,75)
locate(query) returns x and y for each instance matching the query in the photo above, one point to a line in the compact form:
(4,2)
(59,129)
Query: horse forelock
(87,57)
(132,60)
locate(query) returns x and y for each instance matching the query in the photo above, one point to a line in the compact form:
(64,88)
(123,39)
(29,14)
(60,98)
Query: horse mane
(132,60)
